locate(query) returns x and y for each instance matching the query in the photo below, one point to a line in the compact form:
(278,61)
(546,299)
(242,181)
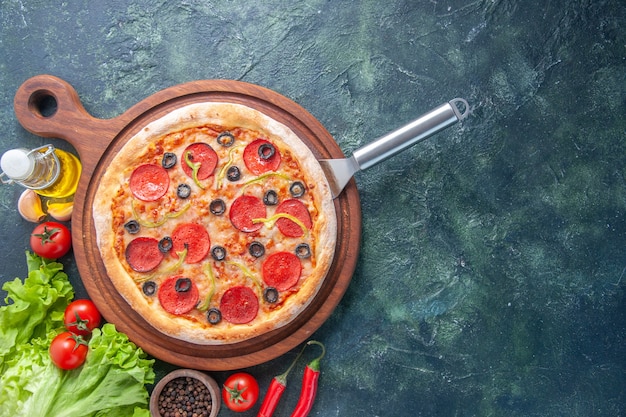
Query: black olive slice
(270,294)
(270,198)
(266,151)
(183,191)
(226,139)
(256,249)
(214,315)
(169,160)
(149,288)
(233,173)
(182,285)
(218,253)
(303,251)
(132,227)
(165,244)
(297,189)
(217,207)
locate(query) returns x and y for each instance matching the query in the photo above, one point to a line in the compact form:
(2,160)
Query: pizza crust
(142,146)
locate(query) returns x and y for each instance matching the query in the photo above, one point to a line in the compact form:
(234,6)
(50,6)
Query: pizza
(215,223)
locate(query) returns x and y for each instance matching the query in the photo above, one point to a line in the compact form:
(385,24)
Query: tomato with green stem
(68,351)
(240,391)
(51,240)
(81,317)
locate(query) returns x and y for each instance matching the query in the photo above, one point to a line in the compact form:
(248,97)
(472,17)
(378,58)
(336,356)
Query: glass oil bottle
(50,172)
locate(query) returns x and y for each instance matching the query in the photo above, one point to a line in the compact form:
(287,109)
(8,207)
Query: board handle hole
(43,104)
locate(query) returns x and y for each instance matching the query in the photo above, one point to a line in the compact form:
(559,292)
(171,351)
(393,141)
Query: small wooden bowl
(214,390)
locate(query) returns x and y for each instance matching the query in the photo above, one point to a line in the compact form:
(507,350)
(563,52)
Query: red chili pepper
(276,389)
(309,384)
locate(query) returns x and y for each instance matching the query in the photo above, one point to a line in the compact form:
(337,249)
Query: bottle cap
(16,164)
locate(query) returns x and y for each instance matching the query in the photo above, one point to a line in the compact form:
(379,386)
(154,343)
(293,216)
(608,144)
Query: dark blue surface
(491,274)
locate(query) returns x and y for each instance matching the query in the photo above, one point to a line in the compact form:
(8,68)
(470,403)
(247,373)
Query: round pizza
(215,223)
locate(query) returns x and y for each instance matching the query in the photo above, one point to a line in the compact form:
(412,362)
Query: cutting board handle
(48,106)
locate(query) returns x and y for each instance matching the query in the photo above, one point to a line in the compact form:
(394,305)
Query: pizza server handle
(339,171)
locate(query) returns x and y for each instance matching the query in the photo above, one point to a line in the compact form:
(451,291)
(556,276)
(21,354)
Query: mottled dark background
(491,274)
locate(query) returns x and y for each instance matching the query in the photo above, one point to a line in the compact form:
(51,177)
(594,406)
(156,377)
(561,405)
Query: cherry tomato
(51,240)
(240,391)
(81,317)
(68,351)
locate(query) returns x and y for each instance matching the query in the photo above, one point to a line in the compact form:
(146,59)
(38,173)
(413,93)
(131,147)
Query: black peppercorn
(185,396)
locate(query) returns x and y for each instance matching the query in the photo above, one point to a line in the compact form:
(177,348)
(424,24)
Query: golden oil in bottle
(50,172)
(67,180)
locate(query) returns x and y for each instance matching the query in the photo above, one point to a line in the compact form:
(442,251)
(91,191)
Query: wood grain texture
(97,141)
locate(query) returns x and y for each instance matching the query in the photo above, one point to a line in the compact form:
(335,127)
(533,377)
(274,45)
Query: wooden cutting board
(97,141)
